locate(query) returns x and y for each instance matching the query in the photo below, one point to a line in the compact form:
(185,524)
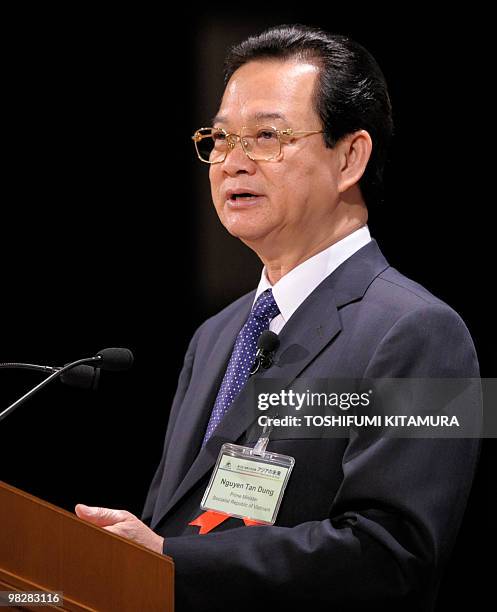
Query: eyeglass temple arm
(290,132)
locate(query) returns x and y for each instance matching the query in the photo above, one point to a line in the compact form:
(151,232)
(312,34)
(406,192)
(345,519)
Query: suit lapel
(191,424)
(311,328)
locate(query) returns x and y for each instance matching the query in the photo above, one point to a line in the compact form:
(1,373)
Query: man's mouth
(243,196)
(247,197)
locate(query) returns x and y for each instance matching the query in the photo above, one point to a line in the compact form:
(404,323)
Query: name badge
(248,483)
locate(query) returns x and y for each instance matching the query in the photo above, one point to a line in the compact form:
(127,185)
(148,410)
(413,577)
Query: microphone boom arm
(58,371)
(28,366)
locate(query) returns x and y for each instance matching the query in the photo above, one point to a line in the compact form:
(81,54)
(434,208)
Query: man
(296,154)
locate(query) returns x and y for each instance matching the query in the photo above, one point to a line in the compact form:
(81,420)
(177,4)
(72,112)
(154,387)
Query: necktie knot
(265,306)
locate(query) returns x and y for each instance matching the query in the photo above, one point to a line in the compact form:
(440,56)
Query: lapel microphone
(267,344)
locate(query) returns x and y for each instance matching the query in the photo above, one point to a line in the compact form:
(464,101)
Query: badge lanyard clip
(260,448)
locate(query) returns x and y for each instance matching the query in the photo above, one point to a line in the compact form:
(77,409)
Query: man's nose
(237,160)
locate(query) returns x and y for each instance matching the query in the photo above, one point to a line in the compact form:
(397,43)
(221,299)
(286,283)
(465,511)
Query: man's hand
(122,523)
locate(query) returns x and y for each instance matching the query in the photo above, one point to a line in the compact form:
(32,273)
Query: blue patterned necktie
(242,357)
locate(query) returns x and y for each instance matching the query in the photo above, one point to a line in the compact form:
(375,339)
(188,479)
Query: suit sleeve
(391,525)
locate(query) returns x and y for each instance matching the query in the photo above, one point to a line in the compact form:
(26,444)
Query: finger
(101,516)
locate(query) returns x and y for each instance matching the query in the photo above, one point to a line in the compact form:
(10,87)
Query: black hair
(351,92)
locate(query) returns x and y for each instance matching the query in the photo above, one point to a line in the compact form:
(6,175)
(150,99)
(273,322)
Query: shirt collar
(293,288)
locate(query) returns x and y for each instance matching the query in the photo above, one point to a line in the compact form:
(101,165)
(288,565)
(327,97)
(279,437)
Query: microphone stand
(58,372)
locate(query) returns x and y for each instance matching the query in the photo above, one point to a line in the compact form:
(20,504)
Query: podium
(45,548)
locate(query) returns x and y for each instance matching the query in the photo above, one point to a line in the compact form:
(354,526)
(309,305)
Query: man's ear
(355,151)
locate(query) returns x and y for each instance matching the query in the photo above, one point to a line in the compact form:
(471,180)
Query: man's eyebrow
(258,116)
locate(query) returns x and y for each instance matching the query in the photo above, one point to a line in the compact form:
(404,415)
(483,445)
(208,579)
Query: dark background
(109,237)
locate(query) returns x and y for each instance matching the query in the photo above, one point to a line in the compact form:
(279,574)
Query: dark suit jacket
(360,524)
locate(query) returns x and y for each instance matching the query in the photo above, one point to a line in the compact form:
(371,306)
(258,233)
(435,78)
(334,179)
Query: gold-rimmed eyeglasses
(260,143)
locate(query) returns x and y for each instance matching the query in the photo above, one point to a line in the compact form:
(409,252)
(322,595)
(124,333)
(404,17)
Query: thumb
(100,516)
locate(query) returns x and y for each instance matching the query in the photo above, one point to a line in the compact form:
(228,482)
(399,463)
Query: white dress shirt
(293,288)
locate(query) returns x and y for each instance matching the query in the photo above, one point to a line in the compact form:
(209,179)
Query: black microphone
(267,344)
(82,377)
(114,359)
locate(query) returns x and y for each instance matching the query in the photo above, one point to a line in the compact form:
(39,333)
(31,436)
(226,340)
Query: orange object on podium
(45,548)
